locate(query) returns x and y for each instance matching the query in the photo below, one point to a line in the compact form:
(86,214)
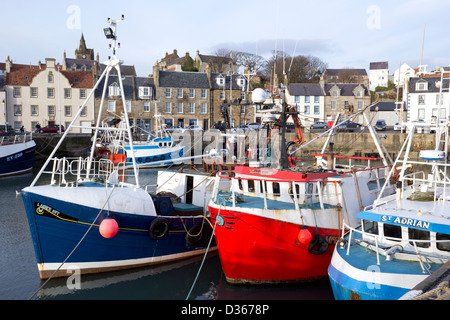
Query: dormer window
(221,80)
(145,92)
(240,82)
(335,93)
(114,90)
(422,86)
(50,77)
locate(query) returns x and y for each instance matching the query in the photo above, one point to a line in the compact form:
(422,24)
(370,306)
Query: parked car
(349,126)
(255,126)
(174,129)
(53,128)
(319,125)
(192,128)
(380,125)
(398,127)
(219,126)
(242,127)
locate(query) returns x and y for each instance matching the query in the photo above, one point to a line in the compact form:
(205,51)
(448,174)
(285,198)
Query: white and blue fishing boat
(405,237)
(16,153)
(94,217)
(160,149)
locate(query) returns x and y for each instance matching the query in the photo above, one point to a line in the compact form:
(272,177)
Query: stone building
(45,94)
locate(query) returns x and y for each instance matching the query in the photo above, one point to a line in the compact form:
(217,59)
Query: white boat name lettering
(49,209)
(16,156)
(406,222)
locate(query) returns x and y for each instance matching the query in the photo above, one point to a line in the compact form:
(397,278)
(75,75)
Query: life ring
(147,159)
(158,228)
(155,158)
(320,242)
(163,157)
(194,235)
(139,160)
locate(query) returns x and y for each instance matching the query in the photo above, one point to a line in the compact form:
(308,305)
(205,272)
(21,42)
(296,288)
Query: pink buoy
(304,236)
(109,228)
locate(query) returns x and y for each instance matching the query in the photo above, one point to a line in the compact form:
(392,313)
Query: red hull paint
(253,249)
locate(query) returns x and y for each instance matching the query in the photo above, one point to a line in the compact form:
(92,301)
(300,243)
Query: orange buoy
(304,236)
(109,228)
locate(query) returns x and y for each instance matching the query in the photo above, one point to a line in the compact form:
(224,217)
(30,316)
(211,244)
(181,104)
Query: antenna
(110,33)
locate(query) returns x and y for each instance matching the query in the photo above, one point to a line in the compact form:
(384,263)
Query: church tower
(83,52)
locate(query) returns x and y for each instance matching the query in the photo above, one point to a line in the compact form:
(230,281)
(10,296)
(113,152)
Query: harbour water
(19,278)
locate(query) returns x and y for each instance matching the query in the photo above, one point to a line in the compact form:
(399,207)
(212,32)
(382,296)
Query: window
(111,106)
(203,94)
(34,92)
(50,77)
(222,95)
(67,93)
(203,107)
(444,246)
(359,94)
(17,110)
(251,185)
(242,109)
(306,99)
(191,93)
(128,105)
(306,109)
(67,111)
(297,99)
(276,189)
(179,93)
(168,107)
(421,99)
(145,92)
(392,231)
(51,111)
(360,105)
(146,106)
(370,227)
(243,96)
(415,234)
(34,111)
(191,107)
(333,105)
(83,112)
(316,99)
(180,107)
(421,114)
(82,93)
(220,80)
(16,92)
(316,110)
(168,92)
(335,93)
(114,90)
(422,86)
(50,93)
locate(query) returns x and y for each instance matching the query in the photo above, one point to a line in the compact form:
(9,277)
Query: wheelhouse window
(251,185)
(392,231)
(444,246)
(415,234)
(370,227)
(276,189)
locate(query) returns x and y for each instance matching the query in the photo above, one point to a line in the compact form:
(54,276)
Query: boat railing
(314,192)
(350,166)
(17,138)
(389,251)
(70,172)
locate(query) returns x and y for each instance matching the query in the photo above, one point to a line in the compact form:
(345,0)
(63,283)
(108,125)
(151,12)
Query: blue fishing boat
(16,153)
(403,238)
(94,216)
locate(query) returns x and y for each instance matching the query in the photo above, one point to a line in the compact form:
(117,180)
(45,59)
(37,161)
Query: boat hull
(59,227)
(258,250)
(359,277)
(16,158)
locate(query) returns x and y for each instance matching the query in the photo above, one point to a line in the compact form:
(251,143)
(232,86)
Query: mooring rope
(442,291)
(204,257)
(76,247)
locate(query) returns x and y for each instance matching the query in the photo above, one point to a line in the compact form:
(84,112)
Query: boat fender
(319,242)
(194,235)
(158,228)
(155,158)
(147,159)
(163,157)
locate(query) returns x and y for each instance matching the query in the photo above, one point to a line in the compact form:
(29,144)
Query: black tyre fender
(158,228)
(318,245)
(194,234)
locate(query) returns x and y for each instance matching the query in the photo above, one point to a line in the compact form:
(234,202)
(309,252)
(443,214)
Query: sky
(344,33)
